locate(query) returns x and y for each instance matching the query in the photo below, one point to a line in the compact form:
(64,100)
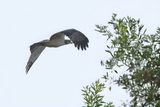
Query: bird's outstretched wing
(56,40)
(77,37)
(36,49)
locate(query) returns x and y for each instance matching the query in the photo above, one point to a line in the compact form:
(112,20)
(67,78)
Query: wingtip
(26,72)
(28,66)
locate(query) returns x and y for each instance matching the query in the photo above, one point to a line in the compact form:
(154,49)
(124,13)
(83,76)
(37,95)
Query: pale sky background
(57,77)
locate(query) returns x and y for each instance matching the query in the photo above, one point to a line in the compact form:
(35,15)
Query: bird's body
(53,43)
(57,40)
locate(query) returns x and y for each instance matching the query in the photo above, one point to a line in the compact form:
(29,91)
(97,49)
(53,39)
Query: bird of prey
(58,39)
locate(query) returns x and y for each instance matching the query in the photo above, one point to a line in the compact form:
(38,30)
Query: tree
(138,53)
(92,95)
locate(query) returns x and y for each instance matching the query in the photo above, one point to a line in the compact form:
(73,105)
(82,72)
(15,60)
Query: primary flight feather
(58,39)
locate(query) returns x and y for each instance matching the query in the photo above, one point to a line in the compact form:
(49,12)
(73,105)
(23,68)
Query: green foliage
(130,47)
(92,95)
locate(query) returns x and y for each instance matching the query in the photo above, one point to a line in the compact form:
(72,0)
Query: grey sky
(57,77)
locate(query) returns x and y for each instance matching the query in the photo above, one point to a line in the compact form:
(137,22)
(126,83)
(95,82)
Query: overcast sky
(57,77)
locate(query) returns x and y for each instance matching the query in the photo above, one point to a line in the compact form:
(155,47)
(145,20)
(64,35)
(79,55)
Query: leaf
(109,52)
(124,87)
(140,28)
(102,63)
(108,46)
(115,71)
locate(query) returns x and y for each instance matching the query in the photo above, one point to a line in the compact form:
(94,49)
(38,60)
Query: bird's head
(68,42)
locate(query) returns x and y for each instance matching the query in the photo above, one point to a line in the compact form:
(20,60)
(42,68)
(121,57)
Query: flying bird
(56,40)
